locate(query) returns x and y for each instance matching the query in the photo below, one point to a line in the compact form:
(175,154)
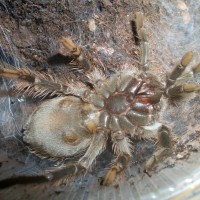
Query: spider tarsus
(180,68)
(117,167)
(186,59)
(77,53)
(182,89)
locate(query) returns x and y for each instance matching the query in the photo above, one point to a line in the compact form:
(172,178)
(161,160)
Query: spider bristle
(37,84)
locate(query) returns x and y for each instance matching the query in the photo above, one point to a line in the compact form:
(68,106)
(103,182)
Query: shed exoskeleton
(80,122)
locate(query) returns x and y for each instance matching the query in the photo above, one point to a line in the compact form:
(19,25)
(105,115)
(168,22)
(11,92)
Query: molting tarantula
(81,120)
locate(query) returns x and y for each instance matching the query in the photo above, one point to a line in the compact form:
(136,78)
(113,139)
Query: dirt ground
(29,36)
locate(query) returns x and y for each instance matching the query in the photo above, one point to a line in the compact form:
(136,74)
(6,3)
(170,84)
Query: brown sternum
(116,103)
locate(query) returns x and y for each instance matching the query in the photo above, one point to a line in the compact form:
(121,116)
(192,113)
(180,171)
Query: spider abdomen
(56,129)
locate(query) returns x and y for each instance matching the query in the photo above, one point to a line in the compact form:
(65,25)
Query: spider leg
(182,89)
(163,149)
(174,89)
(73,169)
(35,83)
(121,147)
(142,37)
(179,69)
(77,53)
(97,145)
(39,84)
(119,164)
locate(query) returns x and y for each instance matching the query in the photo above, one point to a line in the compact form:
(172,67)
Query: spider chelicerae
(83,118)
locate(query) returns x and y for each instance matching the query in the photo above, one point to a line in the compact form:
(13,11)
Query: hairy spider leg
(119,164)
(142,37)
(76,53)
(179,69)
(173,89)
(35,83)
(97,145)
(122,148)
(164,148)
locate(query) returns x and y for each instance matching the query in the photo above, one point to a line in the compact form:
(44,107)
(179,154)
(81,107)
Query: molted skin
(119,108)
(64,126)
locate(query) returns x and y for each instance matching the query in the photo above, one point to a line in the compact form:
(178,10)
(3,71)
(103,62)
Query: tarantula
(121,107)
